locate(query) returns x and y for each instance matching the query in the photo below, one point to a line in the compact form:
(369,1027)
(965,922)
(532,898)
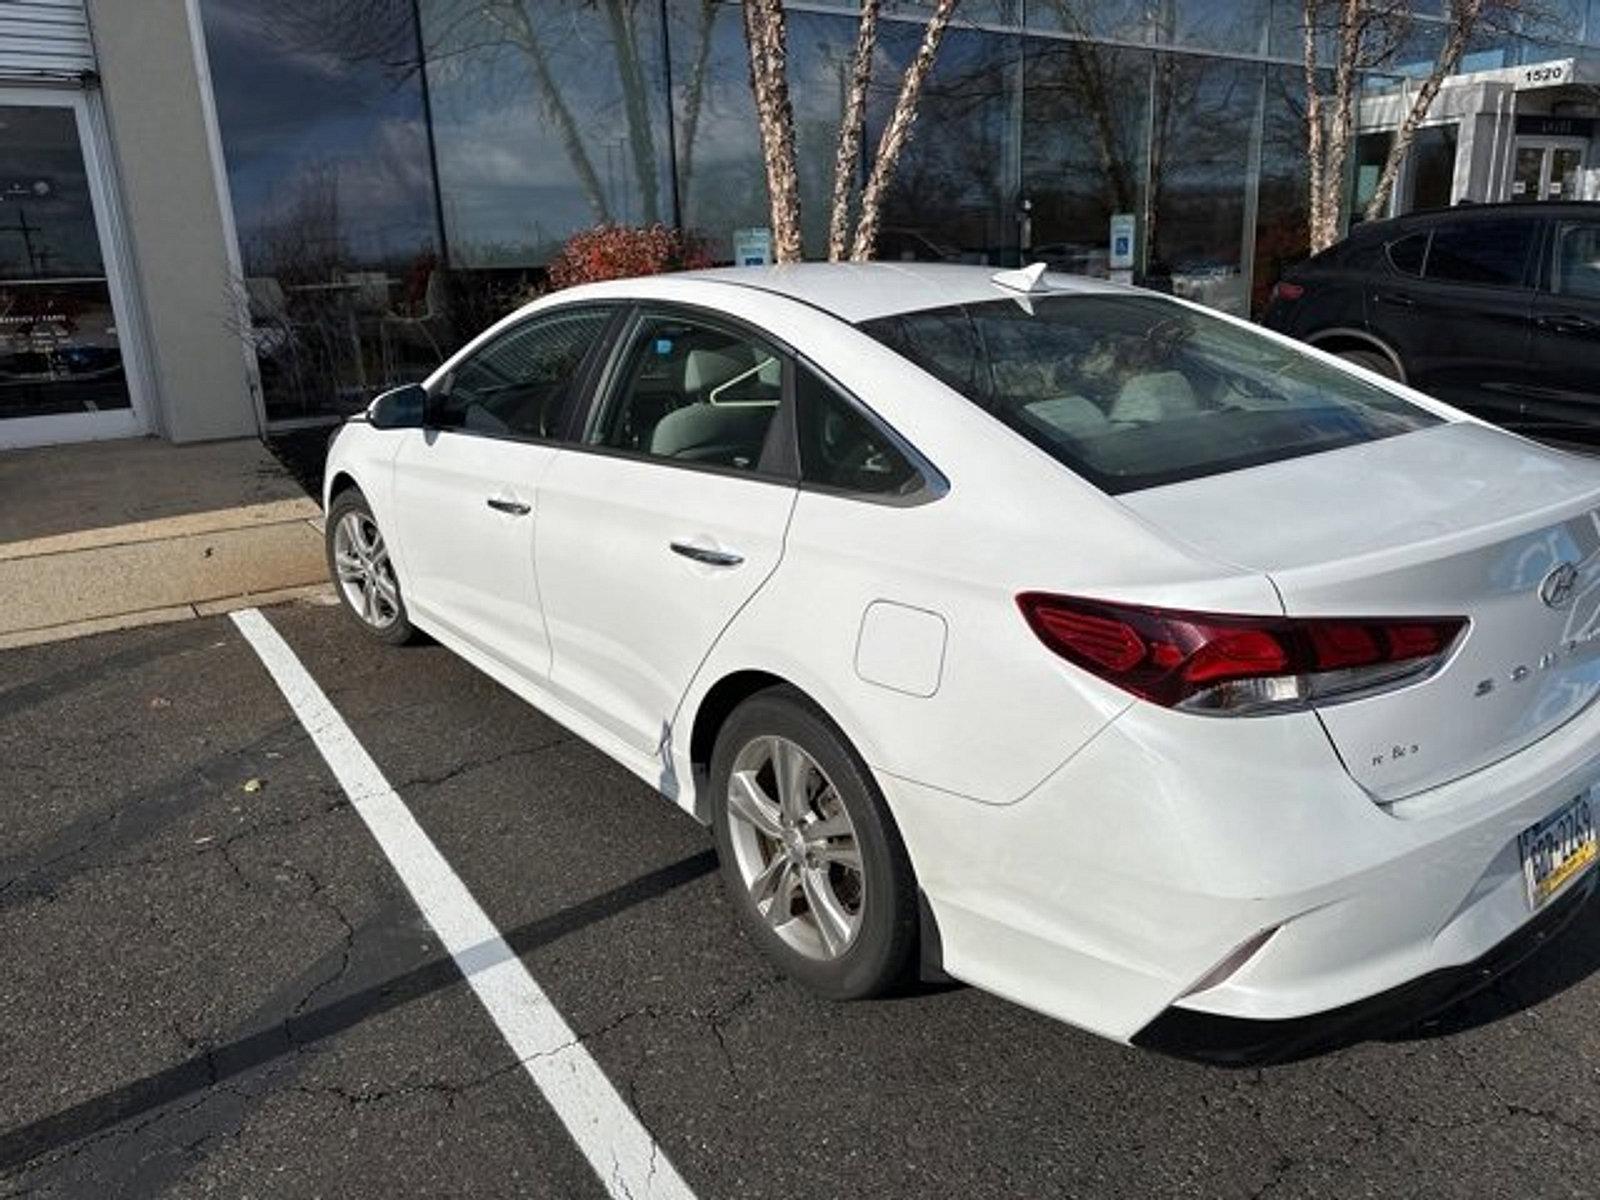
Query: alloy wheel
(795,847)
(366,577)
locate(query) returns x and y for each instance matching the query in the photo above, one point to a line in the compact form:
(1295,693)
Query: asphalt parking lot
(215,983)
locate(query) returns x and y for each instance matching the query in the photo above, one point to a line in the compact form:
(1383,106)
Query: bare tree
(1366,36)
(767,38)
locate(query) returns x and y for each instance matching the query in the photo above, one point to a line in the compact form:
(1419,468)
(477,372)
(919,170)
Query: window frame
(783,439)
(1421,272)
(584,379)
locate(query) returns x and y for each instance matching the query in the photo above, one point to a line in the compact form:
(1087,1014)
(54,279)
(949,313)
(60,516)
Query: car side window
(1577,260)
(1407,254)
(1493,252)
(841,447)
(523,383)
(694,392)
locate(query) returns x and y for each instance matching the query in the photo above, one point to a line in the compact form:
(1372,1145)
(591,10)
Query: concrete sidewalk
(109,535)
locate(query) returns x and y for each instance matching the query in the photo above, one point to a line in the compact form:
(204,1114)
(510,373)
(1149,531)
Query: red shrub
(620,251)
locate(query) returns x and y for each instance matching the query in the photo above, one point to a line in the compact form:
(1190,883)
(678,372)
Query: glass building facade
(399,169)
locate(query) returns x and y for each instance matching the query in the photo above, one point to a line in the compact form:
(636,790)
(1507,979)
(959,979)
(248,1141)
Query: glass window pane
(548,119)
(1203,123)
(1085,120)
(1409,254)
(59,351)
(722,184)
(1578,259)
(1282,229)
(320,108)
(1493,251)
(1133,392)
(1239,25)
(952,198)
(695,393)
(1432,167)
(840,447)
(524,383)
(1372,151)
(1124,20)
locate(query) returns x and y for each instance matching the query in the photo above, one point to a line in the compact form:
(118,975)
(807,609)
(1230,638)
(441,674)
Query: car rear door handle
(1398,299)
(1565,323)
(515,507)
(705,554)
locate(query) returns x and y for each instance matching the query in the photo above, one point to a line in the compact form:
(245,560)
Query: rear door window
(694,392)
(1492,252)
(1135,391)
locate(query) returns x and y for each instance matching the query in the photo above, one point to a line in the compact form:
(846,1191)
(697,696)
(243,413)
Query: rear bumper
(1243,1041)
(1165,889)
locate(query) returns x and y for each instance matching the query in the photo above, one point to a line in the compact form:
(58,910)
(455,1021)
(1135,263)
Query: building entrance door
(64,374)
(1548,169)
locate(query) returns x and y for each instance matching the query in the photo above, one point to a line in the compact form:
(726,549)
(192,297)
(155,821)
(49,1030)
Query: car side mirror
(399,408)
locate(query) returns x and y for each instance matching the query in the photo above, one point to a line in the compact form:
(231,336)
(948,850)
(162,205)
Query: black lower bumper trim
(1243,1042)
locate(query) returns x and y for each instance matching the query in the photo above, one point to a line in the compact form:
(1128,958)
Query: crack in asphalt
(209,1071)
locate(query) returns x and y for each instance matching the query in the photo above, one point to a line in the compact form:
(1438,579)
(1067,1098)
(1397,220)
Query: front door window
(60,352)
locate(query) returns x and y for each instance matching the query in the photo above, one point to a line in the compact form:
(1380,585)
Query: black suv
(1494,308)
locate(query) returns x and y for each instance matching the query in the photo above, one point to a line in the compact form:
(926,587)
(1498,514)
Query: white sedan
(1148,669)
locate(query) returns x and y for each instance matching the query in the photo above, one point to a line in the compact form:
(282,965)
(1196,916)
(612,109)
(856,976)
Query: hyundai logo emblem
(1557,587)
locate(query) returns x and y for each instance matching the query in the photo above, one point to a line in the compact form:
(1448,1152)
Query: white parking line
(623,1154)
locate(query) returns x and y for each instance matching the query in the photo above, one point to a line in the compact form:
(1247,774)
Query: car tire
(362,572)
(1375,361)
(846,932)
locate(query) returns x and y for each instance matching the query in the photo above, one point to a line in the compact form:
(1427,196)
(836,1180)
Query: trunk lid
(1456,520)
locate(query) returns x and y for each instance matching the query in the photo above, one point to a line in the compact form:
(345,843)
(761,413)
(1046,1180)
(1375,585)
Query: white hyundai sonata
(1148,669)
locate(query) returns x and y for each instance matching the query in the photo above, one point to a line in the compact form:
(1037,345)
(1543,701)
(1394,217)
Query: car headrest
(704,368)
(1155,396)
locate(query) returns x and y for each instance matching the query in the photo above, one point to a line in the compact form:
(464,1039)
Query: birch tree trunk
(896,132)
(851,125)
(767,39)
(1463,17)
(1316,144)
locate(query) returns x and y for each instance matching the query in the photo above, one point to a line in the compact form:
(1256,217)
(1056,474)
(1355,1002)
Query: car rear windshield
(1133,392)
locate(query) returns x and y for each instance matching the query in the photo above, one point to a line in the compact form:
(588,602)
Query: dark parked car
(1493,308)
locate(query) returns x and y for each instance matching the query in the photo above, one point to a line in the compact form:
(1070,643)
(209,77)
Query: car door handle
(1398,299)
(515,507)
(705,554)
(1565,323)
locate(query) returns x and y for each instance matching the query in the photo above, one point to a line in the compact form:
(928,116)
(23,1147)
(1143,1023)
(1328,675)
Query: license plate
(1557,849)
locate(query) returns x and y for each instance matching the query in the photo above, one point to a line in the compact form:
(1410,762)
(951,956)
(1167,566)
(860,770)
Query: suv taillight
(1284,290)
(1238,666)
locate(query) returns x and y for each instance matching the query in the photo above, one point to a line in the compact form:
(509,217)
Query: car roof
(1468,212)
(861,291)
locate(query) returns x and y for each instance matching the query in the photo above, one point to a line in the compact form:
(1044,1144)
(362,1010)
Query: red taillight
(1284,290)
(1207,662)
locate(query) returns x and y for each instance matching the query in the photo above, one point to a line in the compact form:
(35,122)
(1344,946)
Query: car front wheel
(362,571)
(811,859)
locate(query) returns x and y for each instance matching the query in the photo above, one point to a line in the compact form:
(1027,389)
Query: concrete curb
(195,564)
(321,593)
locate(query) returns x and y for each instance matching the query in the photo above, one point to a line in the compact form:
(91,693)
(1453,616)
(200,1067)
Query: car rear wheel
(1373,360)
(810,857)
(362,571)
